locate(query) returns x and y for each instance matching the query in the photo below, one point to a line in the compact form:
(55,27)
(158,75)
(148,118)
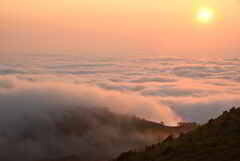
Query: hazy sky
(126,27)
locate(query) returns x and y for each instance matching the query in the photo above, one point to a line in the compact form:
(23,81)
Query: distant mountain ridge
(132,132)
(218,140)
(81,134)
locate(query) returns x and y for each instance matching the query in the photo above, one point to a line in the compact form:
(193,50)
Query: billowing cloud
(202,109)
(126,88)
(154,79)
(168,91)
(40,94)
(43,99)
(52,119)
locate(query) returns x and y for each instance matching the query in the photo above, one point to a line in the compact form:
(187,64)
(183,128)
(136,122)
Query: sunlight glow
(205,15)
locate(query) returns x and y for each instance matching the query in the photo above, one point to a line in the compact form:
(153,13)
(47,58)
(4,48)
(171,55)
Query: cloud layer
(158,79)
(48,94)
(52,119)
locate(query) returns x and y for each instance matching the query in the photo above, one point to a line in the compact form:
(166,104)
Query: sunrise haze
(106,27)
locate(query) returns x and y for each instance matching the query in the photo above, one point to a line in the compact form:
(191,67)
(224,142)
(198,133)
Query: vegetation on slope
(218,140)
(97,134)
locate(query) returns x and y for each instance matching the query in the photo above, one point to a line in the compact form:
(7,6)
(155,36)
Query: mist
(40,120)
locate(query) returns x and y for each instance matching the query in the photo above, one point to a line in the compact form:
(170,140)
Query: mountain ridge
(105,134)
(217,140)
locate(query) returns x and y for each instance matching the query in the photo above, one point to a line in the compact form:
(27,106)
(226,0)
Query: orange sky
(103,27)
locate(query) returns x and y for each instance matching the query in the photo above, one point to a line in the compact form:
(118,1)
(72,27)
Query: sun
(205,15)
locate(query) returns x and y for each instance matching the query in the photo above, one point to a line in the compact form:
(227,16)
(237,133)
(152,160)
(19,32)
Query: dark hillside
(92,134)
(218,140)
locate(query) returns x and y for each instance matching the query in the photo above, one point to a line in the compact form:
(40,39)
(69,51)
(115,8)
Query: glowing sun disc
(205,15)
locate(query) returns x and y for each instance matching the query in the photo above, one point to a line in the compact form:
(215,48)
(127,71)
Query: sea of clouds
(179,88)
(168,89)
